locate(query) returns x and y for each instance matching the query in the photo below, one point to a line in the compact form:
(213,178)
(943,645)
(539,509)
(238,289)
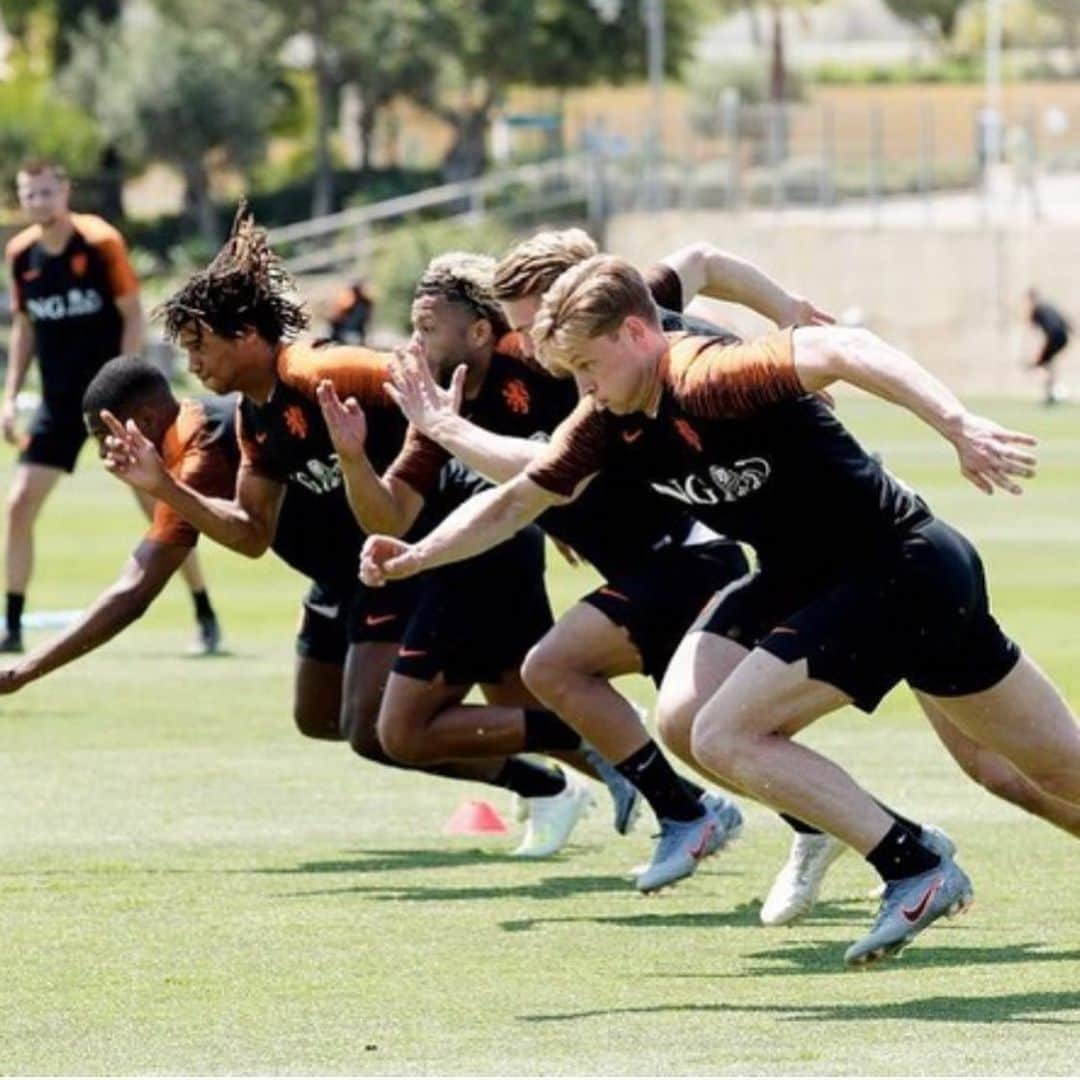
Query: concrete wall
(952,298)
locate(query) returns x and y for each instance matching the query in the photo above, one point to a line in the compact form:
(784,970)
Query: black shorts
(474,621)
(657,606)
(1054,344)
(334,617)
(921,616)
(55,438)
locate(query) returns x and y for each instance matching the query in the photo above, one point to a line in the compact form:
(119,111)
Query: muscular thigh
(588,641)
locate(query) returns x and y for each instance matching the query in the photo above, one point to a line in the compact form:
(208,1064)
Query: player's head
(44,190)
(131,389)
(232,316)
(526,272)
(455,317)
(598,322)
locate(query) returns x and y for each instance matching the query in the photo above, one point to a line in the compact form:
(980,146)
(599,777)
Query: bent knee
(359,726)
(316,723)
(404,743)
(542,671)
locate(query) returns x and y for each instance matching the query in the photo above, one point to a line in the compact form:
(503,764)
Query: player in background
(1055,329)
(75,301)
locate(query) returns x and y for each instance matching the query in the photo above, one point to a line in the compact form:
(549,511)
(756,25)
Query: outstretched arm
(990,455)
(246,523)
(436,412)
(140,582)
(706,270)
(476,526)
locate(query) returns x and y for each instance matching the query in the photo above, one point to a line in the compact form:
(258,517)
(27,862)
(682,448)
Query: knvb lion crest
(296,422)
(516,395)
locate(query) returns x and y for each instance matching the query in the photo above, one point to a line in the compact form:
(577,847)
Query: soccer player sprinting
(880,591)
(75,301)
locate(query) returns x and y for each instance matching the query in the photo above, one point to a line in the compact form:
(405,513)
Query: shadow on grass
(552,888)
(380,861)
(994,1009)
(743,915)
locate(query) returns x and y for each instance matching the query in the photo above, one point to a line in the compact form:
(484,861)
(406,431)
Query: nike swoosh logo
(698,850)
(914,913)
(31,275)
(783,630)
(632,436)
(606,591)
(406,653)
(327,611)
(378,620)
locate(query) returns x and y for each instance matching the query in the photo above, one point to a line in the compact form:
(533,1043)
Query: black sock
(545,731)
(529,780)
(666,792)
(201,600)
(694,788)
(912,827)
(801,826)
(900,855)
(15,603)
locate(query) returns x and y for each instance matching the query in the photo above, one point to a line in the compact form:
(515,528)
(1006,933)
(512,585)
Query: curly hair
(461,277)
(246,286)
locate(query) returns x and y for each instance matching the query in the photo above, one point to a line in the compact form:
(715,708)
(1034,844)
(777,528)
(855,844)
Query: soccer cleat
(552,818)
(626,798)
(937,840)
(680,847)
(796,888)
(208,637)
(730,818)
(11,643)
(908,907)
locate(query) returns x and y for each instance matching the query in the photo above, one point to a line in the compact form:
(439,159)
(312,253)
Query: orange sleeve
(576,452)
(355,371)
(720,381)
(206,467)
(418,462)
(110,244)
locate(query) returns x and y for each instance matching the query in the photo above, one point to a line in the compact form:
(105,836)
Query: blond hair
(532,267)
(589,300)
(462,277)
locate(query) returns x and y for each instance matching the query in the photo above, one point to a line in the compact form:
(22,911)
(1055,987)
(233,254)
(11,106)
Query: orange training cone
(473,818)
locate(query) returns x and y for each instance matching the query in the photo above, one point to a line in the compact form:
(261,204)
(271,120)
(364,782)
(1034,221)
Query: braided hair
(246,286)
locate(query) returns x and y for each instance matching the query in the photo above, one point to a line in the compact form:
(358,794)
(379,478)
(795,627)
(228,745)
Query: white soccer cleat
(552,819)
(796,888)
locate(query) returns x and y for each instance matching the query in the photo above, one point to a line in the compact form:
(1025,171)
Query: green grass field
(187,885)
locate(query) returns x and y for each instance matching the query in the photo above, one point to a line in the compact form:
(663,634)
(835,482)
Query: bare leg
(191,568)
(743,736)
(1028,723)
(317,698)
(998,775)
(29,490)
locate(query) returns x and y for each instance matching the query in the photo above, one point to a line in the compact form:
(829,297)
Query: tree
(65,17)
(166,93)
(488,46)
(939,14)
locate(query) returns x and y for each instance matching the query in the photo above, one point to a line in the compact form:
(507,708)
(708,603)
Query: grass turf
(186,885)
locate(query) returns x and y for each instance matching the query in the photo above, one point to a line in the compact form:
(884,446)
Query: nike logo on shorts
(378,620)
(632,436)
(915,912)
(405,654)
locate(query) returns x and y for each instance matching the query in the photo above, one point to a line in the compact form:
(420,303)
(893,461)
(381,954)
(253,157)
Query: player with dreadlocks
(238,320)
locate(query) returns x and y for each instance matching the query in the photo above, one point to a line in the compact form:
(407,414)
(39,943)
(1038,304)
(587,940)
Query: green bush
(36,122)
(403,253)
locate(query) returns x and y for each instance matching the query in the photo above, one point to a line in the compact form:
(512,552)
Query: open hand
(990,455)
(131,456)
(423,401)
(345,421)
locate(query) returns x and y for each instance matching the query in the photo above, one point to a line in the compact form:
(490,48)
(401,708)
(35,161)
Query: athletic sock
(15,603)
(664,790)
(545,731)
(900,855)
(694,788)
(201,600)
(801,826)
(912,827)
(529,780)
